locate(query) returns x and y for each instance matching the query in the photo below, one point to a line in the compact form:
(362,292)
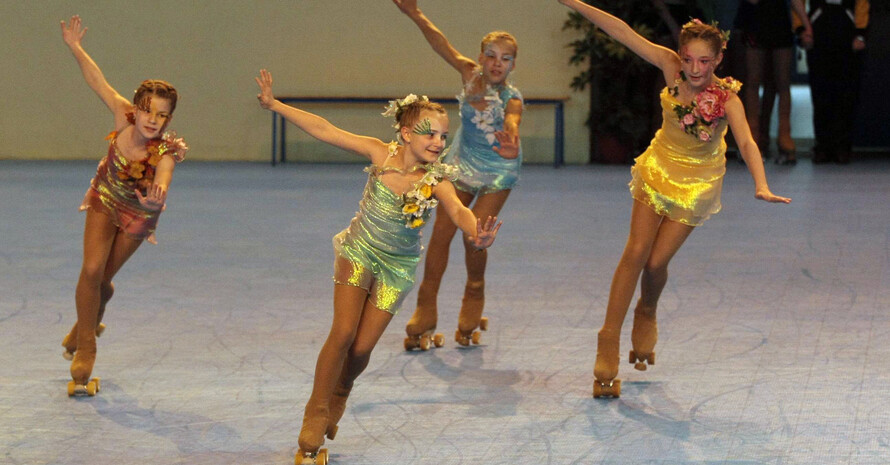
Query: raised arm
(662,57)
(436,39)
(735,115)
(481,235)
(315,125)
(72,34)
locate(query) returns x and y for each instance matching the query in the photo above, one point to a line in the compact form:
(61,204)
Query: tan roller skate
(643,337)
(606,367)
(70,341)
(338,407)
(82,367)
(421,329)
(311,438)
(470,317)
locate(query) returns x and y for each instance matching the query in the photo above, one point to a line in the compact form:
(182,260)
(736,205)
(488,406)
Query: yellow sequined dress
(680,175)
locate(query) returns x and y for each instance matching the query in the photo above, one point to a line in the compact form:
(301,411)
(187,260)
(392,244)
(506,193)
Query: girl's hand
(765,194)
(265,96)
(407,6)
(485,234)
(155,197)
(73,32)
(509,144)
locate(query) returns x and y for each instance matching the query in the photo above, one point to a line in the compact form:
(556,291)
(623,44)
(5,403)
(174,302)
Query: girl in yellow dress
(676,182)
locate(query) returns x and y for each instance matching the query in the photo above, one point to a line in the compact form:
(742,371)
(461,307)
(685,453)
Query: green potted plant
(621,84)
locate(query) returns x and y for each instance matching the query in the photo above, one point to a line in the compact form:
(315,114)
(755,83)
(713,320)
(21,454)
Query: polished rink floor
(772,349)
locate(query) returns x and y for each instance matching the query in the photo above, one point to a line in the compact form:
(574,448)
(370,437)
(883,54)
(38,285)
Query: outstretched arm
(481,235)
(436,39)
(735,114)
(315,125)
(662,57)
(72,34)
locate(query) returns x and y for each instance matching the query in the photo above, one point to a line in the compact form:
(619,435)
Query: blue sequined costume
(483,171)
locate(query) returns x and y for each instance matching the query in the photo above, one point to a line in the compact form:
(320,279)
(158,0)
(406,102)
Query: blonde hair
(500,36)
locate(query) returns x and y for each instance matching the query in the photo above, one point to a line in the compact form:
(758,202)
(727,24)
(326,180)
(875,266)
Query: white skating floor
(773,327)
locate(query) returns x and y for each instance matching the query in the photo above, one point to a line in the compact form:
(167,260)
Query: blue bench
(279,149)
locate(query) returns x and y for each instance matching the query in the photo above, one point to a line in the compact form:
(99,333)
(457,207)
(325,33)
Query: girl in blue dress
(486,149)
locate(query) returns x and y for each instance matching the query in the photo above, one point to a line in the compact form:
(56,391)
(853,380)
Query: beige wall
(211,50)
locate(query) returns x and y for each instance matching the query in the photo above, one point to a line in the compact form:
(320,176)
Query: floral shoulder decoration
(702,116)
(419,200)
(143,172)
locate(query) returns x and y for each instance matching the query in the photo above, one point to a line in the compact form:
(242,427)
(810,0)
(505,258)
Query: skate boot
(82,367)
(606,367)
(312,437)
(338,407)
(643,337)
(470,317)
(421,329)
(70,341)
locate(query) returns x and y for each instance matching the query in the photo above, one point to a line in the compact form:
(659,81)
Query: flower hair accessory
(392,109)
(713,24)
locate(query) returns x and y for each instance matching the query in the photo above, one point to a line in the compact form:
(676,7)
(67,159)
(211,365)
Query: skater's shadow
(469,383)
(192,434)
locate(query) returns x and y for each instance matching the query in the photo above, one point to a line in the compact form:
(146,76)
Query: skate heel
(605,368)
(421,329)
(81,368)
(643,337)
(70,341)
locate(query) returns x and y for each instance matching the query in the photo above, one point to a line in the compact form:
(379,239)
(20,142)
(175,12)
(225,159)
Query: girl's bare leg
(671,236)
(123,247)
(349,301)
(98,238)
(372,325)
(644,224)
(473,301)
(425,315)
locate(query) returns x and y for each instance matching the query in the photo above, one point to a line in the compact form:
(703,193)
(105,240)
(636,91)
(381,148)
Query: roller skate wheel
(67,355)
(98,385)
(409,343)
(461,339)
(633,357)
(651,358)
(308,458)
(609,390)
(483,324)
(476,337)
(332,432)
(71,388)
(100,329)
(92,388)
(439,340)
(425,343)
(640,366)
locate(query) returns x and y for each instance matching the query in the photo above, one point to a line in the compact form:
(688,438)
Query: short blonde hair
(500,36)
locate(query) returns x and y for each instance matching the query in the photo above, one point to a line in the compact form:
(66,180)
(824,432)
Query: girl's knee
(655,266)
